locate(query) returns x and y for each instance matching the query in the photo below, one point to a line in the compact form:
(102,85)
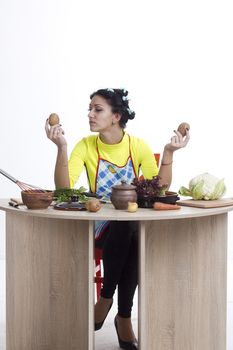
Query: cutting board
(223,202)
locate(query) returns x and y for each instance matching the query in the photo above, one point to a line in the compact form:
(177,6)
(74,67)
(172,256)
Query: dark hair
(118,100)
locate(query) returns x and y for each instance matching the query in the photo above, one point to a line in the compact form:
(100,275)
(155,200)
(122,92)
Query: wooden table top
(108,212)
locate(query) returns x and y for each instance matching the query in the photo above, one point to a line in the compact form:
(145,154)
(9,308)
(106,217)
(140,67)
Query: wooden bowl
(148,201)
(36,199)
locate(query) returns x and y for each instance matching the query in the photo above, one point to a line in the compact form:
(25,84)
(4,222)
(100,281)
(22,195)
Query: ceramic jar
(122,194)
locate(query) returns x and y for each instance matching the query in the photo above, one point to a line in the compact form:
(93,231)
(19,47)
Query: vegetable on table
(93,205)
(65,194)
(150,187)
(132,207)
(165,206)
(204,186)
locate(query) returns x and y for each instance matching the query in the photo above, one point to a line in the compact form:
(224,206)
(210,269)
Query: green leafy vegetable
(66,194)
(150,187)
(204,186)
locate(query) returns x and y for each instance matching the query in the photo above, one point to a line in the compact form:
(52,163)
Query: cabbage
(204,186)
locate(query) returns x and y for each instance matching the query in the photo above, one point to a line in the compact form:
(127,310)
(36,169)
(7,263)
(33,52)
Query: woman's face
(101,117)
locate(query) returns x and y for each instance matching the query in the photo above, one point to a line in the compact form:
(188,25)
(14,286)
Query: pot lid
(124,186)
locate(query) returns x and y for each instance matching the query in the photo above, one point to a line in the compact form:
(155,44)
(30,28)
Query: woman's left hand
(177,141)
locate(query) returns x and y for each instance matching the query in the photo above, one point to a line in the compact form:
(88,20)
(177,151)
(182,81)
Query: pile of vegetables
(204,186)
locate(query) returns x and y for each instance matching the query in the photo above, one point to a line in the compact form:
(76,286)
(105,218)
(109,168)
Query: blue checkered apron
(107,175)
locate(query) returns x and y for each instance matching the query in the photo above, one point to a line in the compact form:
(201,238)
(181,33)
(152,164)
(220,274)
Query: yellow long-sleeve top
(85,154)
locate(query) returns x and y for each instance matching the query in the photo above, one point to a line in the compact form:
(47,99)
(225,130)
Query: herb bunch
(150,188)
(66,194)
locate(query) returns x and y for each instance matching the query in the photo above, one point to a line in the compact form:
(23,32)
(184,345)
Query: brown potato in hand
(182,128)
(53,119)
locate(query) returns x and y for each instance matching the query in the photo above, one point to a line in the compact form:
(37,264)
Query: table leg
(183,279)
(49,270)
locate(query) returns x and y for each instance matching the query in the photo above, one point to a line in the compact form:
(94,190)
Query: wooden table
(50,290)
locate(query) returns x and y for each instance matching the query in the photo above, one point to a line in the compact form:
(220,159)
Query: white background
(174,57)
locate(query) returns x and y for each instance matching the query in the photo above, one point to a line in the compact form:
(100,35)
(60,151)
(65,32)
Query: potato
(93,205)
(183,127)
(53,119)
(132,207)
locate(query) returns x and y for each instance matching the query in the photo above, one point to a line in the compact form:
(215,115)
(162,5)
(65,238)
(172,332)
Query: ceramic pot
(122,194)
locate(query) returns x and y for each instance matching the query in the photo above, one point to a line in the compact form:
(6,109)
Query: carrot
(165,206)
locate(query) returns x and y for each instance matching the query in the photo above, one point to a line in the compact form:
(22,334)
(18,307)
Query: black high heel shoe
(99,325)
(127,345)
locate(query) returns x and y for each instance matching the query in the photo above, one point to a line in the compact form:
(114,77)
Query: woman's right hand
(56,134)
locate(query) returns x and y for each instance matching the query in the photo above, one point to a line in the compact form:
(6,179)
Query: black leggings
(120,260)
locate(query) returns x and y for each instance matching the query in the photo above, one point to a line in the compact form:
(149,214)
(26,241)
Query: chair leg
(98,278)
(98,289)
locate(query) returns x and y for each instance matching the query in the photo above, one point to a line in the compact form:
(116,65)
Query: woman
(109,156)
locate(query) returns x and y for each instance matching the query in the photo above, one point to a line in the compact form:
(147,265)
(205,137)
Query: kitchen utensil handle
(3,172)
